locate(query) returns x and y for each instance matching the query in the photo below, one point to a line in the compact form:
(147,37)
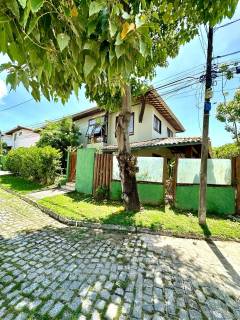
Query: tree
(229,113)
(60,135)
(107,45)
(226,151)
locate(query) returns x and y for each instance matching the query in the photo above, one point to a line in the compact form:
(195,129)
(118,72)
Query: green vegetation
(229,114)
(35,164)
(61,135)
(81,207)
(226,151)
(19,184)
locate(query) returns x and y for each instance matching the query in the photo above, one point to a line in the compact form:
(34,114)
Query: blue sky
(186,104)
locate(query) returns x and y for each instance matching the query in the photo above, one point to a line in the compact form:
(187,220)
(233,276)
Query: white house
(152,130)
(20,137)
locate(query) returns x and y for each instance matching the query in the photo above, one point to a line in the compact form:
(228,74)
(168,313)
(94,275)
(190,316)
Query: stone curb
(110,227)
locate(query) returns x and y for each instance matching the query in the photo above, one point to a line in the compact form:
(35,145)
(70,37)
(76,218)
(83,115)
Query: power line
(16,105)
(226,55)
(226,24)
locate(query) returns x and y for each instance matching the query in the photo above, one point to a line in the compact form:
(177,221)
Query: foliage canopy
(226,151)
(60,135)
(229,113)
(57,46)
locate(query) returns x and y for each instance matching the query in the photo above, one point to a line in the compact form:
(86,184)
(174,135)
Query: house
(20,137)
(152,130)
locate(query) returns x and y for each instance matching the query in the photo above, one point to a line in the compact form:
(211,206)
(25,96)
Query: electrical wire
(226,24)
(226,55)
(16,105)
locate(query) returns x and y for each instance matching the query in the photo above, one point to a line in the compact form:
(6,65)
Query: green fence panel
(220,200)
(149,193)
(68,165)
(85,170)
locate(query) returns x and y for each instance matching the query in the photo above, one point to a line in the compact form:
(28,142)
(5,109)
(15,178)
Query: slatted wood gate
(102,171)
(72,167)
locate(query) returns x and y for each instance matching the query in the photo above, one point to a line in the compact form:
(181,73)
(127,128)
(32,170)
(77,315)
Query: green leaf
(36,5)
(89,65)
(12,80)
(63,40)
(96,6)
(13,6)
(4,19)
(32,24)
(120,50)
(143,48)
(112,28)
(23,3)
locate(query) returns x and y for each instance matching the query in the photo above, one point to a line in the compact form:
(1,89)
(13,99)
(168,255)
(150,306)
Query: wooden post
(237,180)
(165,177)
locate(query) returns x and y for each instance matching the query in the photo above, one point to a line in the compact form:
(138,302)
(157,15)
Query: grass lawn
(19,184)
(81,207)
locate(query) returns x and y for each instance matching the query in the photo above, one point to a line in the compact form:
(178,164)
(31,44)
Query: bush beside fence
(37,164)
(2,162)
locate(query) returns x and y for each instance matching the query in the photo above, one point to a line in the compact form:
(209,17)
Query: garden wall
(149,180)
(85,170)
(220,188)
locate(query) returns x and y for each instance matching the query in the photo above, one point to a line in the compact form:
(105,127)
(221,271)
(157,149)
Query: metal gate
(72,168)
(102,171)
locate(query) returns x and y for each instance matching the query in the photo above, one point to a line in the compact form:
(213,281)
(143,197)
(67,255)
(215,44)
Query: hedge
(37,164)
(2,162)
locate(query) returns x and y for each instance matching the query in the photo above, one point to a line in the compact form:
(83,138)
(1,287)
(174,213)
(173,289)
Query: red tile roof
(161,142)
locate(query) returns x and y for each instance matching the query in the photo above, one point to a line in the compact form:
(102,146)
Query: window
(97,128)
(169,133)
(157,124)
(131,124)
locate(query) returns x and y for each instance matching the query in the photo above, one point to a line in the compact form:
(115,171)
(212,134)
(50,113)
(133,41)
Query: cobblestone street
(50,271)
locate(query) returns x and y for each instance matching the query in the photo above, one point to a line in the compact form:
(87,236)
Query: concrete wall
(149,193)
(220,191)
(220,199)
(85,170)
(24,138)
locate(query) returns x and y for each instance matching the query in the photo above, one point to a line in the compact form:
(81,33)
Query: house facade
(152,130)
(20,137)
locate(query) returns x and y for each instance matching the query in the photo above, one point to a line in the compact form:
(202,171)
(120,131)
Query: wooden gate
(72,167)
(102,171)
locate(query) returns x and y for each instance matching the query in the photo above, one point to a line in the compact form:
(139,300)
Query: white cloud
(3,89)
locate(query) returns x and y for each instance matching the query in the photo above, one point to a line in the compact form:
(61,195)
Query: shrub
(37,164)
(226,151)
(2,162)
(101,193)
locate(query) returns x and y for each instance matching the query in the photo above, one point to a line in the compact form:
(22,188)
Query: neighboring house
(152,130)
(20,137)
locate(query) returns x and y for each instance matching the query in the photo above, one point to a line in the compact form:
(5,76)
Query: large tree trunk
(126,161)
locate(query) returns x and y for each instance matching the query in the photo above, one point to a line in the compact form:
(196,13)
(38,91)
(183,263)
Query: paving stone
(46,307)
(111,311)
(57,308)
(100,304)
(51,272)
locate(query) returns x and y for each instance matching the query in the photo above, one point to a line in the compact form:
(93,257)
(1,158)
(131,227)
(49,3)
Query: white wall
(7,139)
(24,138)
(142,131)
(83,126)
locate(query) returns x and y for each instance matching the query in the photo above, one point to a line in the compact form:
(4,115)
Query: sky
(187,104)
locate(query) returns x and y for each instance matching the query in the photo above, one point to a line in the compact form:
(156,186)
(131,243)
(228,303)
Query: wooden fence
(72,166)
(102,171)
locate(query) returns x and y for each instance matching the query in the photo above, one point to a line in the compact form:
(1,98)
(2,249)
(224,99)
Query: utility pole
(204,153)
